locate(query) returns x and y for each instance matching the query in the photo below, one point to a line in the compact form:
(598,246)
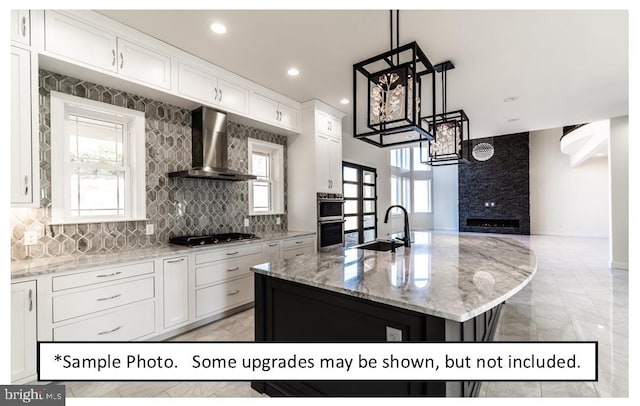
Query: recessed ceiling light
(511,99)
(513,120)
(344,101)
(218,28)
(293,72)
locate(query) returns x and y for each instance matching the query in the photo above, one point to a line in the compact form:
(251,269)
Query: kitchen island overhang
(446,287)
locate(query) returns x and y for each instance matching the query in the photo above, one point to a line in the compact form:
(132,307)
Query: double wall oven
(330,219)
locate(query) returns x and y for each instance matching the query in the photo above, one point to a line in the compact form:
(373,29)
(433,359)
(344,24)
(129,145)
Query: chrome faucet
(407,234)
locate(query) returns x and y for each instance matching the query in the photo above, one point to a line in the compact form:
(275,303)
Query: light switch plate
(278,221)
(246,222)
(149,229)
(30,238)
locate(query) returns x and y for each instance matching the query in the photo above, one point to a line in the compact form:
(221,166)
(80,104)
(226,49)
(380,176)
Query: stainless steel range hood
(209,148)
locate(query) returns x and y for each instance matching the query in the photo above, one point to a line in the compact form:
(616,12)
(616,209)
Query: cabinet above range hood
(209,155)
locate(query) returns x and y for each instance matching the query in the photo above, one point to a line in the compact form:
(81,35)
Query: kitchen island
(445,287)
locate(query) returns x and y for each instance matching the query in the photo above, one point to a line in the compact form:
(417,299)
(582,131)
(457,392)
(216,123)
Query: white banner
(249,361)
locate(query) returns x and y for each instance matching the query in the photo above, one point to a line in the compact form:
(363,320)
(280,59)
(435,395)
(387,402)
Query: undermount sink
(380,246)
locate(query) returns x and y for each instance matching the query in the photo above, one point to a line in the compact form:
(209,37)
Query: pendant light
(387,94)
(451,130)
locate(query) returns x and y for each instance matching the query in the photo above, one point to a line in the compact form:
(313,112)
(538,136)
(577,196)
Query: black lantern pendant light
(451,130)
(387,95)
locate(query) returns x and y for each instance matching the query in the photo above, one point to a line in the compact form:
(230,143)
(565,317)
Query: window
(360,203)
(266,193)
(410,181)
(97,161)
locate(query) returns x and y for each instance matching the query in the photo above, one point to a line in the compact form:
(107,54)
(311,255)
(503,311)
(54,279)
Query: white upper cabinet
(142,64)
(266,109)
(22,168)
(80,42)
(106,47)
(328,164)
(328,124)
(89,45)
(202,86)
(21,26)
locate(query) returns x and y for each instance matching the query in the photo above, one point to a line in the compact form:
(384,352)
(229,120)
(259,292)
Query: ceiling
(563,66)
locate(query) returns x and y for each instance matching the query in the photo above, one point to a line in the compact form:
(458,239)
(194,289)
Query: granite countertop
(64,263)
(446,275)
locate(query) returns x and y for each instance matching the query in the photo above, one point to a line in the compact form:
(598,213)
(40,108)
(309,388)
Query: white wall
(359,152)
(619,170)
(445,197)
(564,200)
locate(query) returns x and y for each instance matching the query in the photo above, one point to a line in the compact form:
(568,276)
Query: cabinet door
(288,117)
(327,124)
(20,26)
(196,84)
(23,330)
(335,164)
(176,291)
(143,64)
(233,97)
(80,42)
(323,163)
(265,109)
(21,175)
(273,251)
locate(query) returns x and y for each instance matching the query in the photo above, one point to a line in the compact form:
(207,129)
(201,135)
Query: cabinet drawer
(224,296)
(102,275)
(222,270)
(120,325)
(94,300)
(298,242)
(296,252)
(228,253)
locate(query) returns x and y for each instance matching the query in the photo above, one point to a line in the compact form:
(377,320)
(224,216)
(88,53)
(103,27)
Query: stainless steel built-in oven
(330,219)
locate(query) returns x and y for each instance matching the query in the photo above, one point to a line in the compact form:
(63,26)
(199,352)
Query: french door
(360,203)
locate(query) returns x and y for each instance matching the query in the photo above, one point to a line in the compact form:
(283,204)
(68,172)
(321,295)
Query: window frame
(275,152)
(133,160)
(408,173)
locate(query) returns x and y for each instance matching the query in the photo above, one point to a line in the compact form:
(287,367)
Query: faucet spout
(407,233)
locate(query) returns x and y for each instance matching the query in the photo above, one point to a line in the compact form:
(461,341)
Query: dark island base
(288,311)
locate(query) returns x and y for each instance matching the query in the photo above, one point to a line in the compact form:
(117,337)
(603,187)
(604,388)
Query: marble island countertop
(446,275)
(64,263)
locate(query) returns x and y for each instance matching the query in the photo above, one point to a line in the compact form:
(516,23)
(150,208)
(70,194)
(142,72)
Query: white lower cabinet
(23,331)
(273,251)
(224,296)
(125,324)
(175,280)
(297,247)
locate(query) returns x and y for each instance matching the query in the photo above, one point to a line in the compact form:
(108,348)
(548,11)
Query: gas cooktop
(196,241)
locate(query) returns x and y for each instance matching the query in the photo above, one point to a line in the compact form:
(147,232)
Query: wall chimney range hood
(209,148)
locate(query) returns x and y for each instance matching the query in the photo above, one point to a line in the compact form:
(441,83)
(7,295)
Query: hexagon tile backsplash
(175,206)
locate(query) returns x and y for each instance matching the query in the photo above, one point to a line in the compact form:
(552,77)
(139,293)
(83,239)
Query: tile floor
(574,296)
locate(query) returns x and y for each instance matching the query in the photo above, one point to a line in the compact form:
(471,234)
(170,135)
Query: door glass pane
(351,239)
(369,235)
(369,191)
(368,206)
(350,207)
(368,177)
(350,190)
(351,223)
(369,221)
(349,174)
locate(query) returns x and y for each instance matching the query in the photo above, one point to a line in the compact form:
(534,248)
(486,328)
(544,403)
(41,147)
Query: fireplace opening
(481,222)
